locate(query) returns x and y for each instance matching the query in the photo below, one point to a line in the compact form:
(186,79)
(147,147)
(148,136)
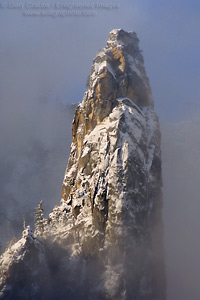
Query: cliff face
(108,228)
(113,179)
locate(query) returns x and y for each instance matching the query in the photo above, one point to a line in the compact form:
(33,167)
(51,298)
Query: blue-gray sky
(54,54)
(44,65)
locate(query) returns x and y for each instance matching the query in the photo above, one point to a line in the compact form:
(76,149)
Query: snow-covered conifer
(39,219)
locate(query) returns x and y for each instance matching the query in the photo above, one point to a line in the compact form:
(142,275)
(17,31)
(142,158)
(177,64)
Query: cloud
(32,165)
(181,173)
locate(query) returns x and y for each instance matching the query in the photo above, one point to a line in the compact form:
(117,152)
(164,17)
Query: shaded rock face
(104,241)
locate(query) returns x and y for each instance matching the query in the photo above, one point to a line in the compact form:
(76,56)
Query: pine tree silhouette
(39,219)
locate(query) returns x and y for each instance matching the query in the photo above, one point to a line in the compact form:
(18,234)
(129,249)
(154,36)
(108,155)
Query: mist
(44,65)
(181,173)
(32,165)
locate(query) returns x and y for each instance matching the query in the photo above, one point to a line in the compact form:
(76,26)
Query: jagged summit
(104,241)
(118,71)
(119,36)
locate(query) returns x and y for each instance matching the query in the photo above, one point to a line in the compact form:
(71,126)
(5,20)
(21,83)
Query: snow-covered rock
(112,185)
(23,269)
(104,241)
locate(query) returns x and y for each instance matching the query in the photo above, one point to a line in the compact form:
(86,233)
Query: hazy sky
(44,65)
(53,55)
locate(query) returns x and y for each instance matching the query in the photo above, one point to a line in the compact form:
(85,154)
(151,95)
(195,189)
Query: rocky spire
(104,242)
(117,72)
(113,180)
